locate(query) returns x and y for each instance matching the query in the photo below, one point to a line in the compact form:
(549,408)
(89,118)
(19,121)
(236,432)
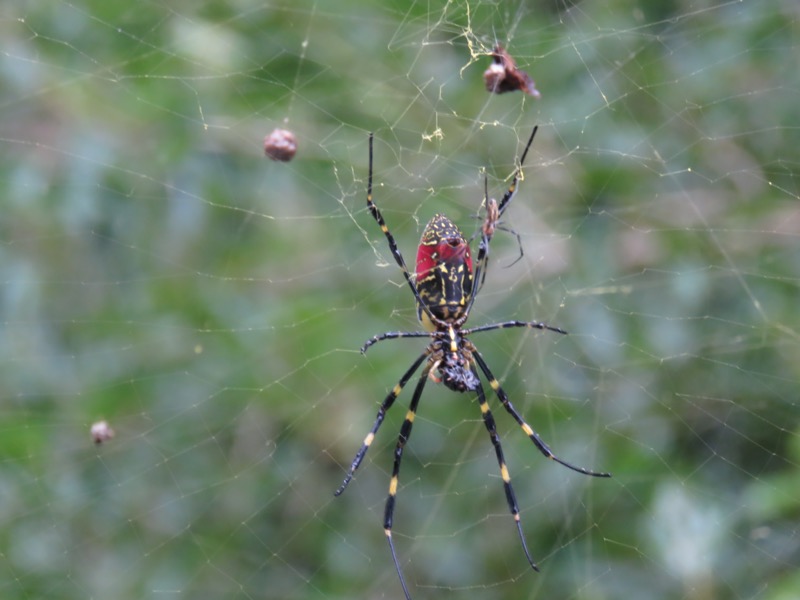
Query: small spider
(491,223)
(444,291)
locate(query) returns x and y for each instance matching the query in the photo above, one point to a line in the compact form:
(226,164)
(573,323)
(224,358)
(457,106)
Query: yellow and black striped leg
(501,207)
(538,442)
(398,257)
(511,498)
(391,335)
(385,406)
(402,439)
(509,324)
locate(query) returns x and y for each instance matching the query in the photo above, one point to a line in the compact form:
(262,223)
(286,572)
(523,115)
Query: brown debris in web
(280,145)
(503,75)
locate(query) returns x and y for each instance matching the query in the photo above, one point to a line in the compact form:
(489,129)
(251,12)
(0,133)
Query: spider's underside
(444,289)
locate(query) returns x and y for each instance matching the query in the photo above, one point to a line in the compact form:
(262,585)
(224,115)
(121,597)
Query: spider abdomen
(444,271)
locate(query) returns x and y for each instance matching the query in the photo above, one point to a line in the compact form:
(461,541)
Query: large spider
(444,288)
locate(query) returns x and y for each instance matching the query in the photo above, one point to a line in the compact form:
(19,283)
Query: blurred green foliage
(159,272)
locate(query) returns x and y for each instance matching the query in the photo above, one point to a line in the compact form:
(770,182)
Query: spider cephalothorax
(444,289)
(455,370)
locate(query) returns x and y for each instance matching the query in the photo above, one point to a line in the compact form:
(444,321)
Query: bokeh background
(157,271)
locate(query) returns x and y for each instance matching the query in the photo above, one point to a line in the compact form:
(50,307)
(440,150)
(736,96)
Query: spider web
(159,273)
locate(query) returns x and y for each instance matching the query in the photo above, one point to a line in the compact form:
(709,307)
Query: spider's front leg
(402,439)
(385,406)
(488,421)
(537,441)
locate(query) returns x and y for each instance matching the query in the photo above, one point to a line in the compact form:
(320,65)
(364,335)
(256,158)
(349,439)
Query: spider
(491,223)
(444,290)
